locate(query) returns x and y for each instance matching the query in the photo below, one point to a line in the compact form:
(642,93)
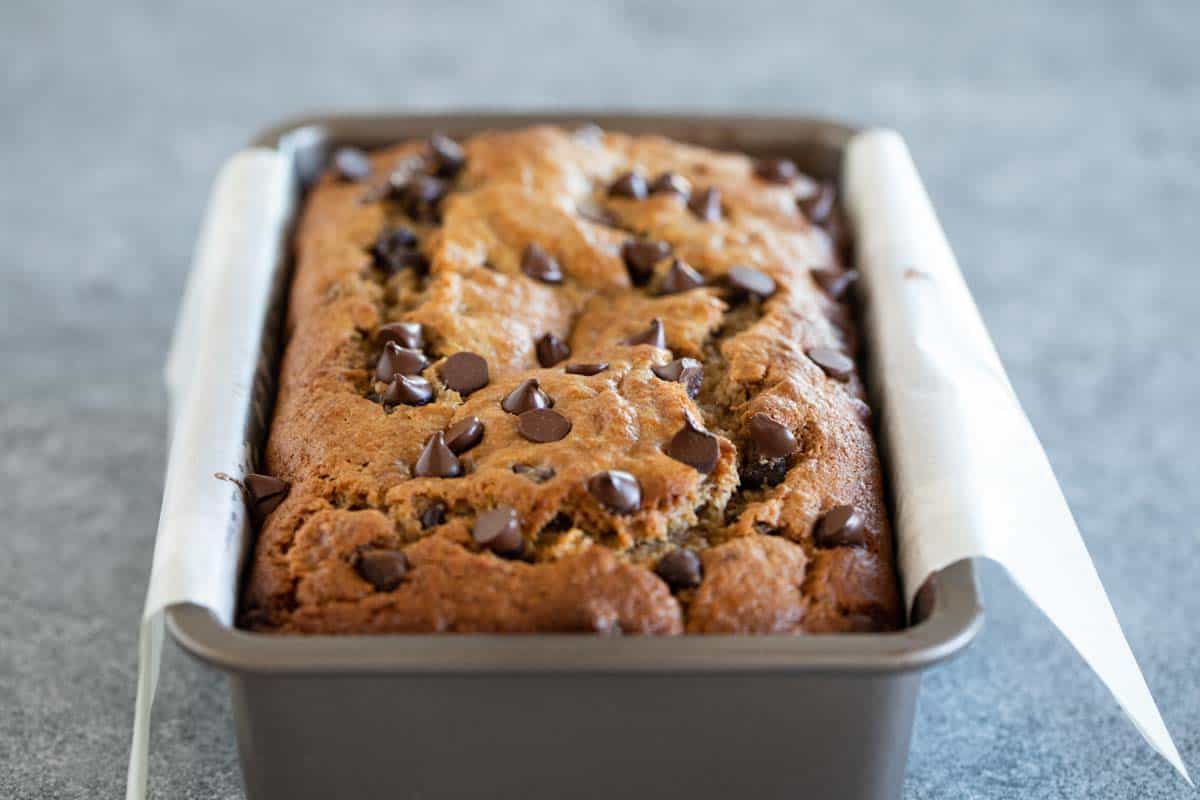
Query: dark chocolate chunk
(551,350)
(465,372)
(835,363)
(421,196)
(776,170)
(266,493)
(586,369)
(681,569)
(411,390)
(395,250)
(433,515)
(448,156)
(687,371)
(758,472)
(640,256)
(396,360)
(535,474)
(631,184)
(747,281)
(771,439)
(437,460)
(671,183)
(408,335)
(840,526)
(655,335)
(543,425)
(527,396)
(351,164)
(540,265)
(695,447)
(680,278)
(818,205)
(464,434)
(616,490)
(499,530)
(706,204)
(384,569)
(835,282)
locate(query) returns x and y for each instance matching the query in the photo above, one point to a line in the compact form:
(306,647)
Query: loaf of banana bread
(550,380)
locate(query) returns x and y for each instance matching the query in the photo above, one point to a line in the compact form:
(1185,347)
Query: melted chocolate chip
(631,184)
(411,390)
(681,569)
(687,371)
(759,472)
(465,372)
(655,335)
(706,204)
(433,515)
(527,396)
(776,170)
(543,425)
(448,156)
(695,447)
(535,474)
(540,265)
(383,569)
(464,434)
(616,490)
(840,526)
(436,460)
(396,360)
(680,278)
(747,281)
(409,335)
(671,183)
(586,369)
(771,439)
(351,164)
(395,250)
(266,493)
(835,363)
(499,530)
(818,205)
(421,196)
(551,350)
(836,283)
(640,256)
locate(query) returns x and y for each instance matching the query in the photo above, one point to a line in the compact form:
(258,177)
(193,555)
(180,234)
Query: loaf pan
(568,715)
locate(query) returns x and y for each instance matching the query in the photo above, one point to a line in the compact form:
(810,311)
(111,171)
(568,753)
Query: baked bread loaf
(550,380)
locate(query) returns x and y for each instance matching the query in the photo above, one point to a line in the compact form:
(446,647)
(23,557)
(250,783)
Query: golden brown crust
(350,459)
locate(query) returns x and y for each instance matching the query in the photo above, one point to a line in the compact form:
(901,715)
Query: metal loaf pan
(567,715)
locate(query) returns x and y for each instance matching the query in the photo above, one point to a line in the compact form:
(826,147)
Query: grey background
(1060,145)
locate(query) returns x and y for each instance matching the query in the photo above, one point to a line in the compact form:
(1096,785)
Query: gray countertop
(1060,146)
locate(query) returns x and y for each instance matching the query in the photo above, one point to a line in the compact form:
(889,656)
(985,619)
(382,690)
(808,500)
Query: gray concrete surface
(1060,145)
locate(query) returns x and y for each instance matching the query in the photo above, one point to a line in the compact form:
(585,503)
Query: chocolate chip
(671,183)
(551,350)
(465,372)
(655,335)
(499,530)
(835,282)
(818,205)
(586,369)
(747,281)
(383,569)
(396,360)
(706,204)
(351,164)
(681,569)
(527,396)
(266,493)
(543,425)
(421,196)
(687,371)
(409,335)
(835,363)
(411,390)
(535,474)
(640,256)
(600,216)
(631,184)
(840,526)
(776,170)
(695,447)
(680,278)
(540,265)
(436,460)
(434,515)
(771,439)
(464,434)
(448,156)
(394,250)
(758,472)
(616,490)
